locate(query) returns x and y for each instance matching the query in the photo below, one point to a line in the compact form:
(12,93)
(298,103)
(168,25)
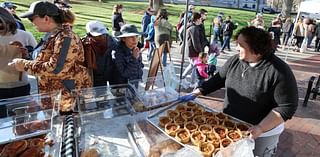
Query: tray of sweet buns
(199,127)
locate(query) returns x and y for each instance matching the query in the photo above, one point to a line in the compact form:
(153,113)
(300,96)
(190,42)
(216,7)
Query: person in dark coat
(117,20)
(127,56)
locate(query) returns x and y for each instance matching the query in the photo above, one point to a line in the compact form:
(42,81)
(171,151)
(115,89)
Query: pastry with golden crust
(208,114)
(221,131)
(229,124)
(33,152)
(172,128)
(187,115)
(15,148)
(39,125)
(170,148)
(180,121)
(199,119)
(191,126)
(198,110)
(244,129)
(36,142)
(180,108)
(221,117)
(205,128)
(183,135)
(206,149)
(191,104)
(225,142)
(172,114)
(214,139)
(197,137)
(234,135)
(164,120)
(212,121)
(92,152)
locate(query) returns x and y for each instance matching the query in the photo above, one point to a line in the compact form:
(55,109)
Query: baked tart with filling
(198,110)
(164,120)
(229,124)
(221,117)
(180,108)
(214,139)
(36,142)
(208,114)
(180,121)
(187,115)
(33,152)
(191,126)
(183,135)
(15,148)
(197,137)
(172,114)
(225,142)
(212,121)
(191,104)
(190,109)
(199,119)
(172,128)
(234,135)
(205,128)
(206,149)
(244,129)
(221,131)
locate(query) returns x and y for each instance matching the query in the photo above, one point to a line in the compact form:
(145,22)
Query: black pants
(11,93)
(317,45)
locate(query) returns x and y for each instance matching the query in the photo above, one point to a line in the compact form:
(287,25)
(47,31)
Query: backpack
(98,57)
(227,28)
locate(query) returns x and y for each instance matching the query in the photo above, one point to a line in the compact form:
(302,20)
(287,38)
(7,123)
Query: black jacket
(116,19)
(194,46)
(127,67)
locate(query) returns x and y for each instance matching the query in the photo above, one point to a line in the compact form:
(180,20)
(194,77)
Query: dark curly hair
(258,40)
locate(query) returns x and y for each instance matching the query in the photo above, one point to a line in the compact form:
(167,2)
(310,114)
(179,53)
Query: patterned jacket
(60,67)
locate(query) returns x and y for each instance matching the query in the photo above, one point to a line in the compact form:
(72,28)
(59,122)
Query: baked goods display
(92,152)
(208,131)
(33,147)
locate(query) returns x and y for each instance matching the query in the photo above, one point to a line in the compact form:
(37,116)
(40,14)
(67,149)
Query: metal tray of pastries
(199,127)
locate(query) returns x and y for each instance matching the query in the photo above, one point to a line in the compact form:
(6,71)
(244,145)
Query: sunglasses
(12,8)
(32,18)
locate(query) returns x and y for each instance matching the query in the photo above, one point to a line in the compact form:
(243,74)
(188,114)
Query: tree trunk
(156,4)
(151,3)
(286,8)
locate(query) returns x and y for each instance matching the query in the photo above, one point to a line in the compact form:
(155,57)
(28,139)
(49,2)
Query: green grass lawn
(92,10)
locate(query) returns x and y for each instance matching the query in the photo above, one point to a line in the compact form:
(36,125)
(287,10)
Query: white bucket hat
(96,28)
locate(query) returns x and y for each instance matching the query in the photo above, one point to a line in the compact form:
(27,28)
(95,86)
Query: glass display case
(153,92)
(30,121)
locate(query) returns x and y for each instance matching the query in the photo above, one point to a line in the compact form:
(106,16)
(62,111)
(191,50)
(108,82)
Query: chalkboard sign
(156,62)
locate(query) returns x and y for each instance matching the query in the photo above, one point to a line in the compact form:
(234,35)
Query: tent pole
(184,42)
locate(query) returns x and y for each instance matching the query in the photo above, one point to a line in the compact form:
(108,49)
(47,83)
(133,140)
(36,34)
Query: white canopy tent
(310,9)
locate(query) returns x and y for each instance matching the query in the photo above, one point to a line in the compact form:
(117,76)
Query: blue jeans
(226,42)
(217,35)
(152,46)
(164,59)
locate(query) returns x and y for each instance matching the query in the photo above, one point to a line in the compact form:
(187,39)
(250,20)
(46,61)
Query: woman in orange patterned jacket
(59,65)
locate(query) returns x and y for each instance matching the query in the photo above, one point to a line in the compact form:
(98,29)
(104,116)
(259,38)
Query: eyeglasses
(12,8)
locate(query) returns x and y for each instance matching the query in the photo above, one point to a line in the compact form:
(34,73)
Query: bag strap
(63,55)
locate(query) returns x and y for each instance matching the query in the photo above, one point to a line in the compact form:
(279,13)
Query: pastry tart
(199,119)
(33,152)
(198,110)
(190,109)
(36,142)
(221,117)
(225,142)
(208,114)
(187,115)
(180,121)
(164,120)
(206,149)
(229,124)
(172,128)
(172,114)
(214,139)
(234,135)
(191,126)
(183,135)
(221,131)
(15,148)
(192,104)
(197,137)
(205,128)
(244,129)
(212,121)
(180,108)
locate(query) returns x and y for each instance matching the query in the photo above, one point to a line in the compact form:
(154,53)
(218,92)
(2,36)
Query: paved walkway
(301,137)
